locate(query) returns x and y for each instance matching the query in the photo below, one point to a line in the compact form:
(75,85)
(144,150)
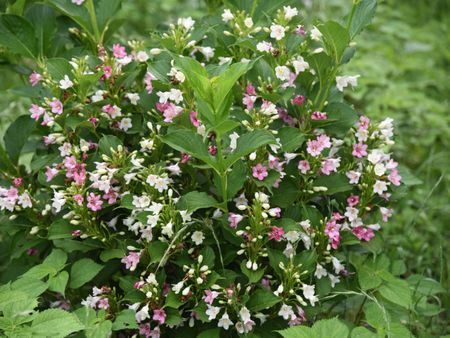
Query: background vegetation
(404,62)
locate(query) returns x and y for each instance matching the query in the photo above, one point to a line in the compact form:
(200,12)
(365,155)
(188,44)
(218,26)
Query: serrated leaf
(55,323)
(58,283)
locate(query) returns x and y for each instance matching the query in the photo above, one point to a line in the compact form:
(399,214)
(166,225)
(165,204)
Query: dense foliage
(212,181)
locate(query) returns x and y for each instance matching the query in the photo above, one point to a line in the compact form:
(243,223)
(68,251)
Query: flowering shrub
(215,183)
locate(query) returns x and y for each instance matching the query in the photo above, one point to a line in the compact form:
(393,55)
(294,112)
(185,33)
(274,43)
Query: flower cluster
(222,182)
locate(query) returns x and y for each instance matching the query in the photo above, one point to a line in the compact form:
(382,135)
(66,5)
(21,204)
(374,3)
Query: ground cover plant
(211,181)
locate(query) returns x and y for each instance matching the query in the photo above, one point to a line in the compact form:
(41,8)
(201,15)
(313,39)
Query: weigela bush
(213,181)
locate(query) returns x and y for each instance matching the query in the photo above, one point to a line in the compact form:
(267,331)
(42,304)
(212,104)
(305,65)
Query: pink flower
(94,202)
(304,166)
(119,51)
(47,119)
(138,284)
(212,150)
(148,82)
(185,158)
(276,233)
(250,90)
(79,199)
(330,165)
(93,121)
(56,106)
(362,233)
(317,115)
(50,173)
(170,112)
(353,200)
(145,330)
(194,120)
(394,177)
(259,172)
(298,100)
(32,251)
(111,196)
(34,78)
(249,101)
(107,72)
(353,176)
(210,296)
(18,181)
(103,303)
(332,230)
(36,111)
(324,141)
(275,212)
(313,148)
(131,261)
(363,122)
(12,194)
(300,30)
(76,233)
(359,150)
(386,213)
(234,219)
(159,315)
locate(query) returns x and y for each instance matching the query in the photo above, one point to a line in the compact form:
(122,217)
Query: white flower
(353,176)
(300,65)
(208,52)
(289,250)
(58,201)
(320,271)
(142,56)
(212,311)
(90,301)
(65,83)
(279,290)
(351,213)
(277,32)
(198,237)
(375,156)
(65,149)
(248,22)
(292,236)
(162,183)
(282,72)
(343,81)
(245,314)
(98,96)
(379,169)
(227,15)
(315,34)
(225,321)
(133,97)
(380,187)
(233,140)
(334,280)
(125,124)
(78,2)
(286,312)
(289,12)
(179,76)
(25,200)
(146,145)
(338,267)
(187,23)
(185,216)
(308,293)
(177,287)
(264,46)
(141,202)
(167,229)
(306,240)
(142,314)
(241,202)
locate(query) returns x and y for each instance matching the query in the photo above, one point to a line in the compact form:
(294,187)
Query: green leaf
(396,291)
(109,254)
(195,200)
(330,328)
(17,135)
(253,276)
(211,333)
(191,143)
(156,250)
(236,179)
(79,14)
(58,68)
(425,285)
(298,332)
(341,117)
(197,77)
(44,22)
(125,320)
(105,10)
(108,143)
(55,323)
(31,286)
(286,194)
(83,271)
(13,302)
(248,143)
(58,283)
(262,299)
(336,39)
(362,16)
(334,183)
(362,332)
(291,138)
(56,260)
(17,34)
(60,229)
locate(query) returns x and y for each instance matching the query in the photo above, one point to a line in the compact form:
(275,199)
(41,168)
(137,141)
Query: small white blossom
(198,237)
(277,32)
(65,83)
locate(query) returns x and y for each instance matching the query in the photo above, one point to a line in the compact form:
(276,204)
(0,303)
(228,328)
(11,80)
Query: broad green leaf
(225,126)
(334,183)
(156,250)
(31,286)
(286,194)
(341,117)
(321,63)
(13,302)
(105,10)
(58,68)
(100,329)
(58,283)
(211,333)
(362,16)
(253,276)
(291,138)
(298,332)
(236,179)
(79,14)
(59,229)
(83,271)
(17,135)
(55,323)
(362,332)
(17,34)
(330,328)
(191,143)
(56,260)
(262,299)
(109,254)
(396,291)
(425,285)
(108,143)
(336,39)
(44,22)
(248,143)
(125,320)
(197,77)
(195,200)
